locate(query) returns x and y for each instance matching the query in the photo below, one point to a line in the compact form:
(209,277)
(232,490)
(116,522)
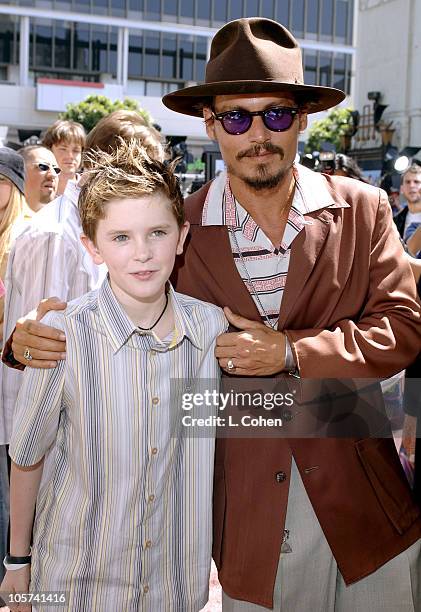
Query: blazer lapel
(305,250)
(211,246)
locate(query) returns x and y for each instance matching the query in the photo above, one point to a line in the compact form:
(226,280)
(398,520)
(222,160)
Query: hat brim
(189,101)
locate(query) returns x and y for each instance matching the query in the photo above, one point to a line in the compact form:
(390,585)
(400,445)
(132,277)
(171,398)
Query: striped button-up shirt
(123,519)
(263,266)
(47,259)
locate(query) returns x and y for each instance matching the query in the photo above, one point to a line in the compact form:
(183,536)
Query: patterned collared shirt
(124,508)
(47,259)
(263,266)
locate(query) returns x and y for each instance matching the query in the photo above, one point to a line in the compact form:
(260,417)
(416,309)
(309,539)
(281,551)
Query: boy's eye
(158,233)
(121,238)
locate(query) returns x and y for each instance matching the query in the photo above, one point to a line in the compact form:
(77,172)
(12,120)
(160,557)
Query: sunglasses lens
(278,119)
(236,122)
(43,167)
(57,170)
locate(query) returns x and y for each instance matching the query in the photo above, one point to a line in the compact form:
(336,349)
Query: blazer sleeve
(386,337)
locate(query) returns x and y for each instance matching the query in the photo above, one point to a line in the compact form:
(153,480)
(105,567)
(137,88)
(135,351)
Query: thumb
(241,322)
(53,303)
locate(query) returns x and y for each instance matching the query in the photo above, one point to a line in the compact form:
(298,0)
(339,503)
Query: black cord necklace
(158,319)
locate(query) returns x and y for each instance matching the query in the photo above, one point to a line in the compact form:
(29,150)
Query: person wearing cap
(12,207)
(315,284)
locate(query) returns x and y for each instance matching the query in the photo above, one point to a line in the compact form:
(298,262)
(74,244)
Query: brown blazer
(349,310)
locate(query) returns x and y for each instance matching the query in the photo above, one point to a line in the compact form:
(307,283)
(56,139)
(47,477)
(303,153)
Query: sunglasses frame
(56,169)
(293,111)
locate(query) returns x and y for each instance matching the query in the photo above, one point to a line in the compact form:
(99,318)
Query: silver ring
(27,354)
(230,365)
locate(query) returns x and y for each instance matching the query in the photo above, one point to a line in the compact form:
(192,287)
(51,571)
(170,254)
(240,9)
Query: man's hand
(17,581)
(255,351)
(47,345)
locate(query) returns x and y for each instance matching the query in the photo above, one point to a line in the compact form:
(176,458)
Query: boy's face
(138,241)
(68,156)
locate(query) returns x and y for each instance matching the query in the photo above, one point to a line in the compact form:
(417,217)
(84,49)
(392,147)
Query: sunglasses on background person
(275,118)
(44,167)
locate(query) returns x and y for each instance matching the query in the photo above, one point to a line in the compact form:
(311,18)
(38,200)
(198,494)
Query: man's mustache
(259,148)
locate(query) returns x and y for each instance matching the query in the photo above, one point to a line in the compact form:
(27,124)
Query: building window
(251,8)
(153,9)
(186,11)
(267,9)
(99,38)
(236,9)
(312,25)
(151,54)
(220,11)
(201,49)
(310,67)
(282,12)
(169,56)
(135,55)
(185,50)
(43,45)
(81,58)
(327,19)
(7,29)
(62,44)
(298,18)
(341,19)
(203,12)
(170,10)
(339,71)
(325,70)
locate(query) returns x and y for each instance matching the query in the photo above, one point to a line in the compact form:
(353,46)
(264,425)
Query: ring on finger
(230,365)
(27,354)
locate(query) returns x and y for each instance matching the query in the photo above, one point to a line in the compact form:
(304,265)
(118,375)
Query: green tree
(93,108)
(337,123)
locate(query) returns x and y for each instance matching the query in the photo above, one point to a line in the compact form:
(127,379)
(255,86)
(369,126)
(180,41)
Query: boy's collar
(120,328)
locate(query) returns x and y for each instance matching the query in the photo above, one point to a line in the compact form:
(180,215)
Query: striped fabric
(123,516)
(267,264)
(47,259)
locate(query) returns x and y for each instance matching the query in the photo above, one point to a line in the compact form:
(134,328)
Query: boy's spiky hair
(126,172)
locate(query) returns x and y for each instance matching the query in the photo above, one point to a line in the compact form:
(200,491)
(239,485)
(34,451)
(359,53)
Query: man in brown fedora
(317,285)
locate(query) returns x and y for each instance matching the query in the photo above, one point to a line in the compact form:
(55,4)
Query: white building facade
(388,62)
(53,52)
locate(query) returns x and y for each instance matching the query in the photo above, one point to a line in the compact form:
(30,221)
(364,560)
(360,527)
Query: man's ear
(92,249)
(209,122)
(302,121)
(184,230)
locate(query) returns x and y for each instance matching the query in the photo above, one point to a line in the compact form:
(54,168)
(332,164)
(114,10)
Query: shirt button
(148,544)
(146,589)
(151,498)
(280,476)
(154,451)
(155,401)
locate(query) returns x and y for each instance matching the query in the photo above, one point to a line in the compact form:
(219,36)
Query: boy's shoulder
(77,308)
(196,310)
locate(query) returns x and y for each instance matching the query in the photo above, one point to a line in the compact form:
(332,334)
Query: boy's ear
(184,230)
(92,249)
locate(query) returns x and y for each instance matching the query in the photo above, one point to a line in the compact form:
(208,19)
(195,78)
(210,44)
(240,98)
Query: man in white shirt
(409,219)
(41,176)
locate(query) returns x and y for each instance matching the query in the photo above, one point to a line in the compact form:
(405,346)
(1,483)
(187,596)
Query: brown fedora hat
(253,55)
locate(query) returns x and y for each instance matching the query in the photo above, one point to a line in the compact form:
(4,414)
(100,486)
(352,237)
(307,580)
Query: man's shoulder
(193,204)
(57,220)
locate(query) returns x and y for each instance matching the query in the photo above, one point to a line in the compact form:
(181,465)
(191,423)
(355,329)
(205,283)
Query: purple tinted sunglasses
(275,118)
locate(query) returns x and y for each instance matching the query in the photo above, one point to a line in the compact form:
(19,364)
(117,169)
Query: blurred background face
(41,180)
(68,156)
(411,187)
(5,191)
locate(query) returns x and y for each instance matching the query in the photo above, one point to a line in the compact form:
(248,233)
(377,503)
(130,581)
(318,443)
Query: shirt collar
(120,328)
(311,194)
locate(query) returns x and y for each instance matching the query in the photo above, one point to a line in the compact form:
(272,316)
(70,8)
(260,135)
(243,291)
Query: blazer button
(280,476)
